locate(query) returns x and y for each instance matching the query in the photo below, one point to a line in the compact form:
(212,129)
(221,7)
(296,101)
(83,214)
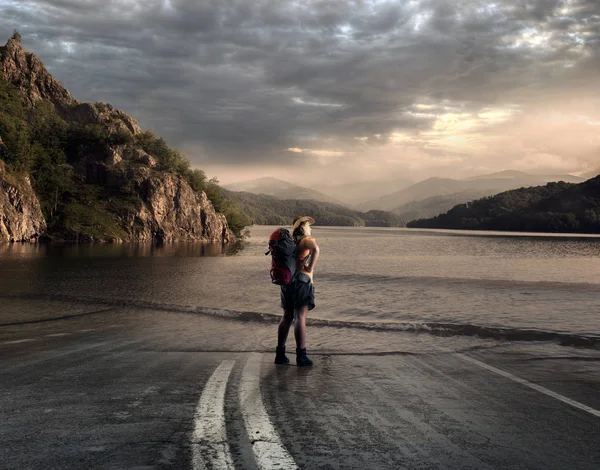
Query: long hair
(302,230)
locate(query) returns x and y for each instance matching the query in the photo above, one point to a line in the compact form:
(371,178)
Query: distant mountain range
(592,174)
(435,205)
(349,194)
(353,194)
(520,175)
(269,210)
(484,185)
(280,189)
(555,207)
(424,199)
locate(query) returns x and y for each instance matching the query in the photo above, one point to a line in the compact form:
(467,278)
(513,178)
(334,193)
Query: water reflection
(120,250)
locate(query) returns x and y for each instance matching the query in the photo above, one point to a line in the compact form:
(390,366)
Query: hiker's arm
(311,244)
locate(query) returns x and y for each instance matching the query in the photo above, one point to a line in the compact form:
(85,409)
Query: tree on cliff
(16,36)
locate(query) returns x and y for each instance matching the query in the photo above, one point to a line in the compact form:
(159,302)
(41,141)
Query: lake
(486,283)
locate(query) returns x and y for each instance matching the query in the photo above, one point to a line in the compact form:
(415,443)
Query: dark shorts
(298,293)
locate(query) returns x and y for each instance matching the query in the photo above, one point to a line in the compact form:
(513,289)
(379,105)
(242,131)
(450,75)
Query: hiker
(298,297)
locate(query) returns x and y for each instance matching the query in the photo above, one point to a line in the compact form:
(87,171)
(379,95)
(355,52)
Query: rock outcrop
(102,114)
(21,217)
(27,72)
(162,205)
(24,70)
(168,208)
(172,210)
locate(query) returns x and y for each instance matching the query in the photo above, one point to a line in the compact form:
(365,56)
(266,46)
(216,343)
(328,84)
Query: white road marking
(209,441)
(17,341)
(266,444)
(539,388)
(57,334)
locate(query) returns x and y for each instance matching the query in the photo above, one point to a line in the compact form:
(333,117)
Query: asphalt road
(130,388)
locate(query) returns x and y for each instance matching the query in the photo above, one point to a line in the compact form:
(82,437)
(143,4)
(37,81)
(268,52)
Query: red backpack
(283,256)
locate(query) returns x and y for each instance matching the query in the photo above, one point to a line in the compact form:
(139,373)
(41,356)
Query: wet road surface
(131,388)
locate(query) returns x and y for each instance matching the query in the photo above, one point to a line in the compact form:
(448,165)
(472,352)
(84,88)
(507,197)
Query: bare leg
(300,327)
(284,328)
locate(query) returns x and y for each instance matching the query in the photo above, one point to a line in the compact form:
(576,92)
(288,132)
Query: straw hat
(300,219)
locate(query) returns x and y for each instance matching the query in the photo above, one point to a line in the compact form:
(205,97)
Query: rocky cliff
(27,72)
(21,218)
(173,211)
(137,197)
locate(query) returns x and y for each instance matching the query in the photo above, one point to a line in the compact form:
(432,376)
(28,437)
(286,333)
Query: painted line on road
(209,440)
(17,341)
(266,444)
(64,317)
(536,387)
(51,335)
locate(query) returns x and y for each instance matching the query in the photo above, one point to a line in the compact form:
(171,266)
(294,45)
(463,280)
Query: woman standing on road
(298,297)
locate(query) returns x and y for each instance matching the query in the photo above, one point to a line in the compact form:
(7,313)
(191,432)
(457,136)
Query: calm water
(367,275)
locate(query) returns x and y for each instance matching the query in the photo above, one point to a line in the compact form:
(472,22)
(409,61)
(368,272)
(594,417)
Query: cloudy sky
(326,91)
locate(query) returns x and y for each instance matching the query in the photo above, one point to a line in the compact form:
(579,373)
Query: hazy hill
(358,192)
(592,174)
(269,210)
(280,189)
(521,175)
(485,184)
(417,192)
(435,205)
(555,207)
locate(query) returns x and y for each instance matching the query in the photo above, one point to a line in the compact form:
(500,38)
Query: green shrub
(91,219)
(14,129)
(83,140)
(167,158)
(197,179)
(120,137)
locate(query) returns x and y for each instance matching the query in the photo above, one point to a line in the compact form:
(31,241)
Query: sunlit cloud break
(321,153)
(373,88)
(315,103)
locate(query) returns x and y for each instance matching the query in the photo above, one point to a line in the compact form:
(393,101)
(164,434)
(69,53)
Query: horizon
(509,170)
(357,91)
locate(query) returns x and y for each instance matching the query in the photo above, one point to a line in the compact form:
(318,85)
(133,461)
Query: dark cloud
(240,82)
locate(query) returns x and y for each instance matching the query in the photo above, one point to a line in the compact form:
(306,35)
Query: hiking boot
(302,359)
(280,357)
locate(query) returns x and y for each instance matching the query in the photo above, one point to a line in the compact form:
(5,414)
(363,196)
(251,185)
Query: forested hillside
(485,185)
(269,210)
(280,189)
(435,205)
(555,207)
